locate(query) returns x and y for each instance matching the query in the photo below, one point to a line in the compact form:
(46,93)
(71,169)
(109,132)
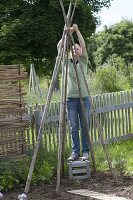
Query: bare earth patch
(100,182)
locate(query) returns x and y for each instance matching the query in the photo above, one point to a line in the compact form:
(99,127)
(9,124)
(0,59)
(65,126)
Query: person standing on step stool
(74,109)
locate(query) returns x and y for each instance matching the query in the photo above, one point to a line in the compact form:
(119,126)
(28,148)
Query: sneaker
(73,157)
(85,156)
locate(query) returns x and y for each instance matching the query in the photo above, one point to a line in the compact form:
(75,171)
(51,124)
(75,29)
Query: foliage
(30,30)
(125,70)
(108,79)
(115,40)
(14,172)
(98,4)
(112,76)
(7,176)
(21,168)
(121,156)
(37,98)
(44,173)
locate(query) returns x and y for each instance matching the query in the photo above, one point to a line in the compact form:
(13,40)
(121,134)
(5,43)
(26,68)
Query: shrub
(108,79)
(45,172)
(15,172)
(7,176)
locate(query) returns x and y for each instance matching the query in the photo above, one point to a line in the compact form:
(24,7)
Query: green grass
(121,154)
(40,98)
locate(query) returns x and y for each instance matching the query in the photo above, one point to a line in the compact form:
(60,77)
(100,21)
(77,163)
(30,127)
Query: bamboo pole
(65,96)
(84,116)
(62,129)
(96,118)
(100,130)
(80,94)
(61,124)
(44,116)
(63,102)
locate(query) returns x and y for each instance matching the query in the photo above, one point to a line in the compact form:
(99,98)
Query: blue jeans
(75,115)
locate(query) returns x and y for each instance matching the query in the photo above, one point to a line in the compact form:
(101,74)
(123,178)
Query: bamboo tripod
(33,81)
(66,43)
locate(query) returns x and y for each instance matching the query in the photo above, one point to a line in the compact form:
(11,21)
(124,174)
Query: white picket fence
(115,111)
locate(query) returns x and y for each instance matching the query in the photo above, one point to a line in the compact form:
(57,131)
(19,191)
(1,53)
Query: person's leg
(72,110)
(84,134)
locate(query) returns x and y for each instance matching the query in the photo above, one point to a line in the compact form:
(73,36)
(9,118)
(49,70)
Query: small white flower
(22,196)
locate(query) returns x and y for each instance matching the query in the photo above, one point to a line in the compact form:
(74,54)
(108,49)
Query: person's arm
(81,39)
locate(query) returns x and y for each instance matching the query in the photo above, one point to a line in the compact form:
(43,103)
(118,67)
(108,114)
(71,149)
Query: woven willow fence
(12,125)
(115,111)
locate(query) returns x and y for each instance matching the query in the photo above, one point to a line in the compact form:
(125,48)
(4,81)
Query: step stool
(79,169)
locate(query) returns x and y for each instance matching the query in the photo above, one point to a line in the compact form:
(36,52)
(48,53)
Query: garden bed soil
(100,182)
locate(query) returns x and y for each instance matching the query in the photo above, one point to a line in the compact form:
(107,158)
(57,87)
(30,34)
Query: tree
(30,29)
(115,40)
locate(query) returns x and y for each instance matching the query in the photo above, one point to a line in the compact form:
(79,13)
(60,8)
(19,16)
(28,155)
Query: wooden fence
(12,108)
(115,112)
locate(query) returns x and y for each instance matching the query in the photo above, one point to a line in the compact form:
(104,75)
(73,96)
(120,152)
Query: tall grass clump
(108,79)
(121,155)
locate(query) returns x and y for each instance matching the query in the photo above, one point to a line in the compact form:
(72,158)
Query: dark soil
(100,182)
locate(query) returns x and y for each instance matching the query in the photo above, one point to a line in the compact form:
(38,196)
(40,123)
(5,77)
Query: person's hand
(75,27)
(71,29)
